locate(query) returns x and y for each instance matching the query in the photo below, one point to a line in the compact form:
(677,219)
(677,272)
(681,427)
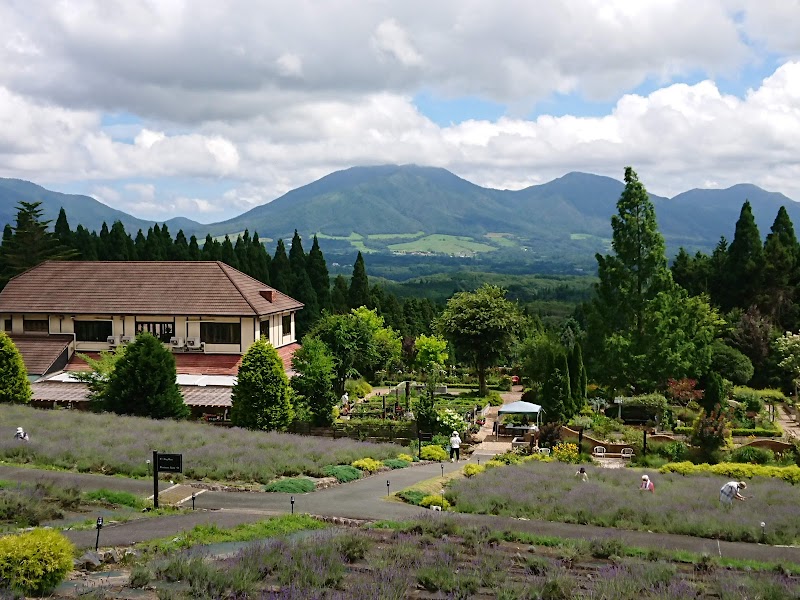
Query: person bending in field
(582,474)
(730,492)
(647,485)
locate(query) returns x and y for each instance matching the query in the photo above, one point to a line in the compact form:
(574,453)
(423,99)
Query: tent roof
(519,408)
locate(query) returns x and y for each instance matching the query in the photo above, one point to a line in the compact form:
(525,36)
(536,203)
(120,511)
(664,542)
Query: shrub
(606,548)
(344,473)
(291,485)
(140,576)
(750,454)
(494,399)
(411,496)
(735,470)
(114,497)
(472,470)
(36,561)
(509,458)
(406,457)
(566,452)
(396,463)
(672,451)
(357,389)
(748,397)
(435,500)
(757,432)
(370,465)
(433,452)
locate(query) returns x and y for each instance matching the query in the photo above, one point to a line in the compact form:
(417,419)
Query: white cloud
(290,65)
(392,40)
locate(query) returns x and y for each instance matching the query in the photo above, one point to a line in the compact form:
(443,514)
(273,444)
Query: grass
(686,505)
(211,534)
(104,496)
(395,236)
(291,485)
(117,445)
(443,244)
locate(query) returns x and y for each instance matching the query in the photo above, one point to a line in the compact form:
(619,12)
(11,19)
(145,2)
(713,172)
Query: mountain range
(414,210)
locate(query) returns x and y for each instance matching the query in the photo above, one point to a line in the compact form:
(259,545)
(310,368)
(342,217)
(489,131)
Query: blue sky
(205,110)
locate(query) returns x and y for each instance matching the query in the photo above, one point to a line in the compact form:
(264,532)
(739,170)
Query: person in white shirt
(21,435)
(647,485)
(582,474)
(455,447)
(730,492)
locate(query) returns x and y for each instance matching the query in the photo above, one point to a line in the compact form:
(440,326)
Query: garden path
(788,423)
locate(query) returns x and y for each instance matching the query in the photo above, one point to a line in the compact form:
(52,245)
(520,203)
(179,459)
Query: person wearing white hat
(647,485)
(730,492)
(21,435)
(455,447)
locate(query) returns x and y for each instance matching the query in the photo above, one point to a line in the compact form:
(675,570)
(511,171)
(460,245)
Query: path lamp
(291,501)
(763,530)
(99,527)
(479,461)
(441,464)
(387,488)
(193,497)
(148,467)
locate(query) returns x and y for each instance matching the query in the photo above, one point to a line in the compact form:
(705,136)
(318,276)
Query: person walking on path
(647,485)
(730,492)
(21,435)
(455,447)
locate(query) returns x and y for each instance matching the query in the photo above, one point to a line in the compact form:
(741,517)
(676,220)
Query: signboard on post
(164,463)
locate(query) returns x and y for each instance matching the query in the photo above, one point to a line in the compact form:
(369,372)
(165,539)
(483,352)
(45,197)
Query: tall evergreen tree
(228,254)
(84,244)
(180,248)
(103,245)
(14,385)
(577,378)
(745,263)
(240,248)
(30,243)
(280,271)
(320,278)
(261,396)
(339,303)
(118,244)
(556,395)
(140,246)
(718,273)
(259,259)
(194,249)
(61,228)
(301,288)
(781,253)
(153,249)
(358,294)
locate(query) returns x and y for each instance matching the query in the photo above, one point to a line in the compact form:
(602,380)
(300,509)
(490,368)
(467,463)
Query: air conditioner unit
(112,340)
(176,342)
(194,343)
(126,339)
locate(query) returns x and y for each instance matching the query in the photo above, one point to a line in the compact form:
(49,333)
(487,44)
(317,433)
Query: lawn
(680,504)
(111,444)
(443,244)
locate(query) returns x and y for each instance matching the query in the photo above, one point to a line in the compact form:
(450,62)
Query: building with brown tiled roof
(199,308)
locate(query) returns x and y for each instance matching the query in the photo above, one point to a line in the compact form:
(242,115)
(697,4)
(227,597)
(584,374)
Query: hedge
(739,432)
(735,470)
(34,562)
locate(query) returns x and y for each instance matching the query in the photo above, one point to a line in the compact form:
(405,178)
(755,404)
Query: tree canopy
(14,385)
(261,396)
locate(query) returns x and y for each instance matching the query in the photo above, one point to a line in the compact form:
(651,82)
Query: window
(35,326)
(7,325)
(286,325)
(264,327)
(92,331)
(221,333)
(162,331)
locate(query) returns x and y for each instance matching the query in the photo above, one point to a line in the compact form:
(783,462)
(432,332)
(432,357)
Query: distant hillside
(81,210)
(409,211)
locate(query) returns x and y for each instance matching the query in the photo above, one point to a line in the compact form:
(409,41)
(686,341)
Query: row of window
(100,331)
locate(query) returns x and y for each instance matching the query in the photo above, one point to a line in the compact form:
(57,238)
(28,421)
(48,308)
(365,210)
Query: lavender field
(436,558)
(111,444)
(610,498)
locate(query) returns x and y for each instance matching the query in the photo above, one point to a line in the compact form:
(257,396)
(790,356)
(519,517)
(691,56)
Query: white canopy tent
(520,408)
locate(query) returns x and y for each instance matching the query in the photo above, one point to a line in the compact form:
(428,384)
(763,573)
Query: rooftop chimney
(269,295)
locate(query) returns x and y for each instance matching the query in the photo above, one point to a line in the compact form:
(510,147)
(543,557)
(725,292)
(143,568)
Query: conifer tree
(339,303)
(577,378)
(745,262)
(318,273)
(301,288)
(153,248)
(61,228)
(194,249)
(240,248)
(718,274)
(261,396)
(118,244)
(140,246)
(14,385)
(228,255)
(103,245)
(144,383)
(280,272)
(781,253)
(556,396)
(358,294)
(259,260)
(180,248)
(84,244)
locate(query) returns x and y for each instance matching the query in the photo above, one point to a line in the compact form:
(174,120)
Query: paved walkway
(787,422)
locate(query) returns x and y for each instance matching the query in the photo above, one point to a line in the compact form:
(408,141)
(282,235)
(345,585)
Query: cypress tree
(14,385)
(556,399)
(85,244)
(143,382)
(228,255)
(104,247)
(240,248)
(745,263)
(280,271)
(180,249)
(117,243)
(318,273)
(301,288)
(259,259)
(780,269)
(153,248)
(140,246)
(61,228)
(260,398)
(718,274)
(339,295)
(358,294)
(577,377)
(194,249)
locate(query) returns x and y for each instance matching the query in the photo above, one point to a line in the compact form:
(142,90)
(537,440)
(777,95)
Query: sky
(207,108)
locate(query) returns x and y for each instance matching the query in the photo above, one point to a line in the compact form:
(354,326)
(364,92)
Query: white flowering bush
(449,421)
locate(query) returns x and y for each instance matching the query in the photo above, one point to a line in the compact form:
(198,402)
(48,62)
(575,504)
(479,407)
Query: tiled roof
(185,363)
(63,392)
(286,353)
(39,352)
(141,288)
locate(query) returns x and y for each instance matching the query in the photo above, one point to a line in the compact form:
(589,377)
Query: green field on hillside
(443,244)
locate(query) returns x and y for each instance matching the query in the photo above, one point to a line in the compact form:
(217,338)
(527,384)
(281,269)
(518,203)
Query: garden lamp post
(291,501)
(99,527)
(193,497)
(441,464)
(387,488)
